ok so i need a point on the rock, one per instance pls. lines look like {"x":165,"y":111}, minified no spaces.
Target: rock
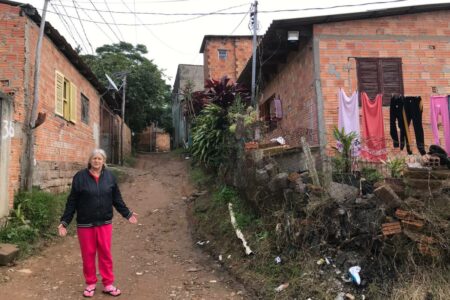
{"x":271,"y":169}
{"x":8,"y":252}
{"x":342,"y":192}
{"x":280,"y":181}
{"x":388,"y":197}
{"x":299,"y":186}
{"x":261,"y":176}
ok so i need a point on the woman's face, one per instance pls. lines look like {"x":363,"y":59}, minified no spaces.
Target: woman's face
{"x":97,"y":161}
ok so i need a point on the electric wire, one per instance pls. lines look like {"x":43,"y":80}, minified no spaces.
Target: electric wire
{"x":101,"y":16}
{"x":84,"y":30}
{"x":76,"y":30}
{"x":65,"y":24}
{"x":99,"y":27}
{"x":112,"y":17}
{"x":242,"y":20}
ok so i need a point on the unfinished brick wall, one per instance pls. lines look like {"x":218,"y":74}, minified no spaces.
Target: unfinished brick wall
{"x":294,"y":84}
{"x":239,"y":50}
{"x":421,"y":40}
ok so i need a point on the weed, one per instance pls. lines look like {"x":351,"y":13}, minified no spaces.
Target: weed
{"x":199,"y":177}
{"x":129,"y":161}
{"x":118,"y":173}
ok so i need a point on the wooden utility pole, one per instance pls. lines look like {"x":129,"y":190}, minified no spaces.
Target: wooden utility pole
{"x":33,"y":116}
{"x":124,"y":87}
{"x":255,"y":30}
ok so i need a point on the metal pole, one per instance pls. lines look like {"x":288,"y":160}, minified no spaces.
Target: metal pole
{"x":255,"y":26}
{"x":123,"y":118}
{"x":37,"y":69}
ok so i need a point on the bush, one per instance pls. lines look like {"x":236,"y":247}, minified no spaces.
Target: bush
{"x":35,"y":215}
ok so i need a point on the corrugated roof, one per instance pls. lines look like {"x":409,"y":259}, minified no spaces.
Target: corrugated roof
{"x":271,"y":35}
{"x":65,"y":48}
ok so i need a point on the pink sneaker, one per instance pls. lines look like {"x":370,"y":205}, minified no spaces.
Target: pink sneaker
{"x":89,"y":291}
{"x":112,"y":290}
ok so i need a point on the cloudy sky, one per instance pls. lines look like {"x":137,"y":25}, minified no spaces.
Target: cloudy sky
{"x":173,"y":30}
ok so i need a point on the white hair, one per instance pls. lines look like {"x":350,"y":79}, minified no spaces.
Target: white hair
{"x":96,"y":152}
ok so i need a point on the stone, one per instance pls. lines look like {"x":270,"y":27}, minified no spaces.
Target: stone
{"x":8,"y":252}
{"x":271,"y":169}
{"x":261,"y":176}
{"x":342,"y":192}
{"x":299,"y":186}
{"x":388,"y":197}
{"x":280,"y":181}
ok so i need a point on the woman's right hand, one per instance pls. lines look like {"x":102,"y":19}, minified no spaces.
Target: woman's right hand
{"x":62,"y":230}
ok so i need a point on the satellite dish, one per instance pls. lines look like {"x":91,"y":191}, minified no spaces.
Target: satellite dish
{"x":111,"y":82}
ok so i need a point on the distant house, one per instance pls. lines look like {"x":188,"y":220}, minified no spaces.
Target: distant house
{"x":153,"y":139}
{"x":187,"y":75}
{"x":225,"y":55}
{"x":77,"y":108}
{"x":304,"y":62}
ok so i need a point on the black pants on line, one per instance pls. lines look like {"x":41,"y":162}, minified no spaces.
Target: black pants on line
{"x":398,"y":116}
{"x":413,"y":109}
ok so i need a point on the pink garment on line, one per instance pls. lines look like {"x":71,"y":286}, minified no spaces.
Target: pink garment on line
{"x":278,"y":110}
{"x":440,"y":106}
{"x":374,"y":144}
{"x":349,"y":113}
{"x":96,"y":240}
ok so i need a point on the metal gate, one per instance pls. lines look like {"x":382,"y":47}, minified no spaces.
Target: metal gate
{"x":109,"y":134}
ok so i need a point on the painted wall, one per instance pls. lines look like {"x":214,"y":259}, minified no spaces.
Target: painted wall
{"x":421,"y":40}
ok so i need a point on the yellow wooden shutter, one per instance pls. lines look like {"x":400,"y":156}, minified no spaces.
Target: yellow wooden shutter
{"x":73,"y":102}
{"x":59,"y":91}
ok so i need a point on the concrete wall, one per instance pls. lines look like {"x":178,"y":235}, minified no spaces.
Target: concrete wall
{"x":239,"y":50}
{"x":294,"y":83}
{"x":421,"y":40}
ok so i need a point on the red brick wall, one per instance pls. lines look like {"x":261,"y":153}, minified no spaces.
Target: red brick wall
{"x":408,"y":36}
{"x":12,"y":60}
{"x":294,"y":83}
{"x":239,"y":50}
{"x":61,"y":147}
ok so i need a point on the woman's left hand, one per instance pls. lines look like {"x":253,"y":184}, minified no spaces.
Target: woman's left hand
{"x":133,"y":218}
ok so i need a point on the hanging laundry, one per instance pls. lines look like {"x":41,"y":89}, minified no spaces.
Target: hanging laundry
{"x":374,"y":145}
{"x":398,"y":118}
{"x":439,"y":106}
{"x":278,"y":109}
{"x":413,"y":108}
{"x":348,"y":112}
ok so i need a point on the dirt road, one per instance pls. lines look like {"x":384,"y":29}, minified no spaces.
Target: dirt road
{"x":156,"y":259}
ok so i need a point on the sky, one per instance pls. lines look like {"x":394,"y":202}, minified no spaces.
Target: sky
{"x":173,"y":30}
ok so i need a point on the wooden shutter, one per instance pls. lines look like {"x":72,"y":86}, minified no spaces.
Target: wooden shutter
{"x":59,"y":92}
{"x":73,"y":103}
{"x":368,"y":76}
{"x":391,"y":78}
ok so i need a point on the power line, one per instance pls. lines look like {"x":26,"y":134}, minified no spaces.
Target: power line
{"x":110,"y":28}
{"x":64,"y":22}
{"x":84,"y":31}
{"x":75,"y":28}
{"x":101,"y":29}
{"x":242,"y":20}
{"x":112,"y":17}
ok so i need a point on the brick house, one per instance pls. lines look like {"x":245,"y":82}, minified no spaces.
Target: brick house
{"x":225,"y":55}
{"x":404,"y":50}
{"x":76,"y":105}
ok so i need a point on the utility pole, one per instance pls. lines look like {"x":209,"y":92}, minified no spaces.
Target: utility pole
{"x":255,"y":29}
{"x":32,"y":123}
{"x":124,"y":87}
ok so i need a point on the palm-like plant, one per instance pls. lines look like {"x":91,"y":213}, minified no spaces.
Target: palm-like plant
{"x":344,"y":148}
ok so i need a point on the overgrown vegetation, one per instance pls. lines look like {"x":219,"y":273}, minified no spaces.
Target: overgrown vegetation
{"x":35,"y":215}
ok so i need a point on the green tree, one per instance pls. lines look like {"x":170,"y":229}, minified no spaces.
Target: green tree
{"x":147,"y":94}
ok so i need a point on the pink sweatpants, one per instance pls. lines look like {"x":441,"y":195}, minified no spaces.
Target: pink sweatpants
{"x":95,"y":240}
{"x":440,"y":106}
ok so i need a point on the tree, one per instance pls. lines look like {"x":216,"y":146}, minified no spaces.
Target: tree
{"x":147,"y":94}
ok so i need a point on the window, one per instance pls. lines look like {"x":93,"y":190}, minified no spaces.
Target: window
{"x":84,"y":109}
{"x":222,"y":54}
{"x":267,"y":113}
{"x":65,"y":98}
{"x":380,"y":75}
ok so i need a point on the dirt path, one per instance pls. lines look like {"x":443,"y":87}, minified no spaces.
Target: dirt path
{"x":154,"y":260}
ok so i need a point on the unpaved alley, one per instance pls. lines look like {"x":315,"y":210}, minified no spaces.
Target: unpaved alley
{"x":156,"y":259}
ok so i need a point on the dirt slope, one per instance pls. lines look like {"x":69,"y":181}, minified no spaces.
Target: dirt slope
{"x":156,"y":259}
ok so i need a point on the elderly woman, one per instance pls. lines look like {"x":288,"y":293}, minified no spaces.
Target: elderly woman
{"x":94,"y":193}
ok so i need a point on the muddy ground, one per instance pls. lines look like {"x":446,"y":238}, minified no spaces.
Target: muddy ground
{"x":156,"y":259}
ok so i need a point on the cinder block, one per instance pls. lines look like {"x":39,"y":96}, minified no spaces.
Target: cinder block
{"x":8,"y":252}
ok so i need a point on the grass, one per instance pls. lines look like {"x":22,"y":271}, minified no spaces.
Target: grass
{"x":129,"y":161}
{"x":34,"y":217}
{"x":199,"y":177}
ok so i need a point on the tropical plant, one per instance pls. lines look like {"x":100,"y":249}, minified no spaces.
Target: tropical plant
{"x":396,"y":165}
{"x":208,"y":136}
{"x":342,"y":160}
